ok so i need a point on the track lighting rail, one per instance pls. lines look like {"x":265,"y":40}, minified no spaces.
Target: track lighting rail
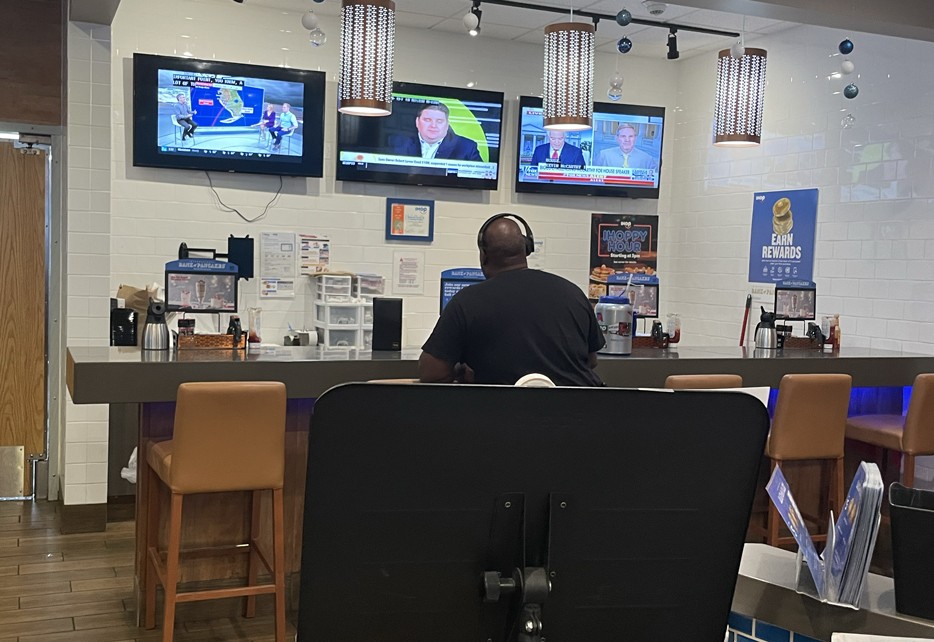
{"x":597,"y":17}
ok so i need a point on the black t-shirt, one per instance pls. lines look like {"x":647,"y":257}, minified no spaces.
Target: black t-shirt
{"x":516,"y":323}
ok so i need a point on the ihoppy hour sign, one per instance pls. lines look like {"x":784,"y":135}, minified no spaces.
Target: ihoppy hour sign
{"x":621,"y":244}
{"x":784,"y":227}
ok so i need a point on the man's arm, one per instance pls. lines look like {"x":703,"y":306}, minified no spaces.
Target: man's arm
{"x":431,"y":369}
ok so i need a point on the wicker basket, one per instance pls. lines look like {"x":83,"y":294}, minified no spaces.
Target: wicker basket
{"x":210,"y":342}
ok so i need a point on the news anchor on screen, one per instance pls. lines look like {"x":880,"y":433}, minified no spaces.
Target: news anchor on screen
{"x":559,"y":152}
{"x":626,"y":154}
{"x":435,"y":138}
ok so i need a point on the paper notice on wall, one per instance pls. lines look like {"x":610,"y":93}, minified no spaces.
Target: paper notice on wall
{"x":277,"y":265}
{"x":537,"y":257}
{"x":314,"y":254}
{"x":408,"y":272}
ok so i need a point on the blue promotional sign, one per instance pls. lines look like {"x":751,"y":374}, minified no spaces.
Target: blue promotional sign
{"x":784,"y":228}
{"x":201,"y":265}
{"x":456,"y":279}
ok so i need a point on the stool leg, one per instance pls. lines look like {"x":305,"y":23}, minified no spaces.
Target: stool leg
{"x":278,"y":538}
{"x":908,"y":476}
{"x":171,"y":567}
{"x":152,"y":546}
{"x":253,"y":563}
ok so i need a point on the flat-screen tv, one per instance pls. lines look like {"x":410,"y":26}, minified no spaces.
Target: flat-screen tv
{"x":621,"y":156}
{"x":436,"y":136}
{"x":796,"y":304}
{"x":244,"y":118}
{"x":642,"y":296}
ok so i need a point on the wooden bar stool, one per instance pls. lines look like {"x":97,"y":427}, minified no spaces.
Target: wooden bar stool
{"x":809,"y":424}
{"x":703,"y":381}
{"x":228,"y":436}
{"x":911,"y":435}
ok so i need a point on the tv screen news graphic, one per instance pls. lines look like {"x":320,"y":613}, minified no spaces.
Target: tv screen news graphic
{"x":795,"y":303}
{"x":200,"y":285}
{"x":621,"y":156}
{"x":242,"y":118}
{"x":435,"y":136}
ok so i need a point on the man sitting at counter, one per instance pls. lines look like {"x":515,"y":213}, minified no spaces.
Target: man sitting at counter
{"x":516,"y":322}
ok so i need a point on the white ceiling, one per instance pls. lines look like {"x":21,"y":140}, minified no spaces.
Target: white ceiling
{"x":525,"y":25}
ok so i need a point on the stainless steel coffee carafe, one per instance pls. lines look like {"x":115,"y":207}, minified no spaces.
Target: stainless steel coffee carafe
{"x":155,"y":331}
{"x":766,"y":335}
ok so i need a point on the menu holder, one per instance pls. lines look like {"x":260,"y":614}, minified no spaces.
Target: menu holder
{"x":838,"y":576}
{"x":210,"y":342}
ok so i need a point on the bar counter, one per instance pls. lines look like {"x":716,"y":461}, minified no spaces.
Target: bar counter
{"x":127,"y":375}
{"x":142,"y":387}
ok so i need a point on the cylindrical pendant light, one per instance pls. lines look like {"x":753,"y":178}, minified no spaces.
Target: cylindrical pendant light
{"x":368,"y":34}
{"x":740,"y":98}
{"x":567,"y":99}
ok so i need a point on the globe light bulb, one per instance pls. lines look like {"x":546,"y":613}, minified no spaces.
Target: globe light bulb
{"x":848,"y":121}
{"x":316,"y":37}
{"x":624,"y":45}
{"x":738,"y":50}
{"x":614,"y":93}
{"x":623,"y":18}
{"x":616,"y":80}
{"x":310,"y":20}
{"x":847,"y":67}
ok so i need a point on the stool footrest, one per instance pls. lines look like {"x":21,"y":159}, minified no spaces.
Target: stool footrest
{"x":236,"y":591}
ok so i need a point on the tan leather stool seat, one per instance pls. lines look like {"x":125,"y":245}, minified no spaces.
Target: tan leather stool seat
{"x":809,"y":424}
{"x":703,"y":381}
{"x":881,"y":430}
{"x":911,"y":435}
{"x":227,"y":436}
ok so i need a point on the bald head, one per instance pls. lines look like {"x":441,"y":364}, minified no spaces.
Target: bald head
{"x":503,"y":247}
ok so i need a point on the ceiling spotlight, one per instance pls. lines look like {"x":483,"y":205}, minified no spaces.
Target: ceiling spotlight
{"x":472,"y":19}
{"x":654,"y":8}
{"x":673,"y":53}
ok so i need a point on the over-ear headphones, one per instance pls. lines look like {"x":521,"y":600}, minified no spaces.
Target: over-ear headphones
{"x":527,"y":235}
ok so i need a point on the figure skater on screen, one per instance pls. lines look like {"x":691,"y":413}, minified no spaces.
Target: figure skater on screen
{"x":183,"y":116}
{"x":435,"y":138}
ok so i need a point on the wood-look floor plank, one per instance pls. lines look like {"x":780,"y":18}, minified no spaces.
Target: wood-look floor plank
{"x":7,"y":603}
{"x":8,"y":570}
{"x":33,"y":587}
{"x":110,"y":561}
{"x":57,"y":612}
{"x":75,"y":597}
{"x":40,"y":629}
{"x":29,"y":558}
{"x":106,"y":583}
{"x":91,"y":574}
{"x":8,"y":542}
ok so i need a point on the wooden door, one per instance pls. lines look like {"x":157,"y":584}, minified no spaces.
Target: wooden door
{"x":22,"y":305}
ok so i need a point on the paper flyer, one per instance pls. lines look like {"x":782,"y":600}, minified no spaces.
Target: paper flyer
{"x":314,"y":254}
{"x":277,"y":265}
{"x":408,"y":272}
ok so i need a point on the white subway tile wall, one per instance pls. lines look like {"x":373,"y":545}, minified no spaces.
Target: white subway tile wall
{"x":84,"y":479}
{"x":875,"y":238}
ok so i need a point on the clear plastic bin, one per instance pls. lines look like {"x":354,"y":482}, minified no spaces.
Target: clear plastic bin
{"x":333,"y":314}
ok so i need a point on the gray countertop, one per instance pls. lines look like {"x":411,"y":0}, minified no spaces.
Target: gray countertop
{"x":121,"y":375}
{"x":765,"y":590}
